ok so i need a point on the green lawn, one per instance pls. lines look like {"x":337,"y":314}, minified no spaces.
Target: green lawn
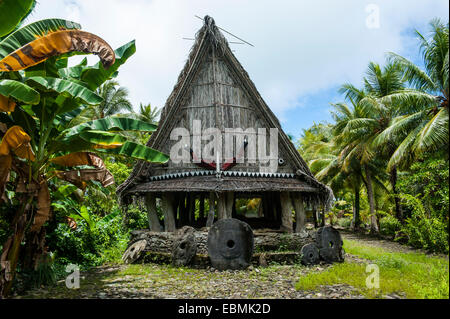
{"x":415,"y":274}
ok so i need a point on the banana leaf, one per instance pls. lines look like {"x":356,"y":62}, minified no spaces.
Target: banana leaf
{"x":108,"y":218}
{"x":111,"y":124}
{"x":63,"y":191}
{"x":17,"y":141}
{"x":78,"y":159}
{"x":87,"y":217}
{"x":5,"y":168}
{"x":103,"y":139}
{"x":73,"y":72}
{"x":80,"y":177}
{"x":96,"y":75}
{"x":72,"y":145}
{"x":48,"y":68}
{"x":7,"y":104}
{"x":67,"y":89}
{"x":30,"y":32}
{"x":64,"y":118}
{"x":19,"y":91}
{"x":57,"y":43}
{"x":43,"y":212}
{"x":137,"y":151}
{"x":71,"y":222}
{"x":22,"y":118}
{"x":12,"y":12}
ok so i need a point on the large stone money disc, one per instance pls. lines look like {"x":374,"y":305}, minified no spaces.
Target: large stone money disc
{"x":230,"y":244}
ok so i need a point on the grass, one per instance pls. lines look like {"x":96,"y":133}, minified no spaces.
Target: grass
{"x":417,"y":275}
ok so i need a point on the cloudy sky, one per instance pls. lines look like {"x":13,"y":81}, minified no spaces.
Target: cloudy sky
{"x":303,"y":50}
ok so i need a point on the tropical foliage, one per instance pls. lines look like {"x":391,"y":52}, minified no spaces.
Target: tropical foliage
{"x":40,"y":95}
{"x":384,"y":131}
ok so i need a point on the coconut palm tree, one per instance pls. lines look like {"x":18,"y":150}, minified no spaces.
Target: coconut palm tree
{"x":115,"y":99}
{"x":148,"y":113}
{"x":377,"y":114}
{"x":319,"y":150}
{"x":353,"y":144}
{"x":423,"y":125}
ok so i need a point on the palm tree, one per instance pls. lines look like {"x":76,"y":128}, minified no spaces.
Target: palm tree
{"x":378,"y":114}
{"x":319,"y":150}
{"x":148,"y":113}
{"x":353,"y":144}
{"x":114,"y":100}
{"x":423,"y":125}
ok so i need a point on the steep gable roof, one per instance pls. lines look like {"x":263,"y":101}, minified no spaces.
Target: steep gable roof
{"x":210,"y":36}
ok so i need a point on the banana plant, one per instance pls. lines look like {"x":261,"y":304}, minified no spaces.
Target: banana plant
{"x":12,"y":13}
{"x":39,"y":96}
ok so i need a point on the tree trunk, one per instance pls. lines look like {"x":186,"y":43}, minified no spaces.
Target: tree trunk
{"x":356,"y":221}
{"x":11,"y":249}
{"x":370,"y":195}
{"x":169,"y":218}
{"x":286,"y":212}
{"x":153,"y":220}
{"x":211,"y":203}
{"x":398,"y":206}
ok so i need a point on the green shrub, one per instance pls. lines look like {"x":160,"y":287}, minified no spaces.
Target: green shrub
{"x":345,"y":222}
{"x":389,"y":225}
{"x":424,"y":229}
{"x":89,"y":246}
{"x":136,"y":218}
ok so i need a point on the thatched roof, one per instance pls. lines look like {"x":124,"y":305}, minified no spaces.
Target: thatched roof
{"x":214,"y":87}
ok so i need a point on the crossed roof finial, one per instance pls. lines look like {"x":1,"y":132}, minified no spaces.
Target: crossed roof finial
{"x":209,"y":21}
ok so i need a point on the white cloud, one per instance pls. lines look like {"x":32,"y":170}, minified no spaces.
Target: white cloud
{"x":301,"y":47}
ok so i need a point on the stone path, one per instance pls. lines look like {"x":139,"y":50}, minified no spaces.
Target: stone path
{"x":162,"y":281}
{"x":388,"y":245}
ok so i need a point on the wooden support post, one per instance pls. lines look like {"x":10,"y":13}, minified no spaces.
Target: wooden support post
{"x":202,"y":206}
{"x":211,"y":203}
{"x":184,"y":209}
{"x":286,"y":212}
{"x":191,"y":209}
{"x":229,"y":197}
{"x":177,"y":209}
{"x":300,"y":215}
{"x":278,"y":209}
{"x":323,"y":216}
{"x":221,"y":206}
{"x":314,"y":213}
{"x":233,"y":208}
{"x":153,"y":220}
{"x":267,"y":208}
{"x":260,"y":209}
{"x":167,"y":206}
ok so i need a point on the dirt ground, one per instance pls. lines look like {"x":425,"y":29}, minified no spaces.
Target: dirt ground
{"x":162,"y":281}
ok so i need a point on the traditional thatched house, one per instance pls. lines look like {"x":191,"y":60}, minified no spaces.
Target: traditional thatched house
{"x":214,"y":88}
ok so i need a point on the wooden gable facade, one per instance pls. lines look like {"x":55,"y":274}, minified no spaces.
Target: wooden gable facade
{"x":214,"y":91}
